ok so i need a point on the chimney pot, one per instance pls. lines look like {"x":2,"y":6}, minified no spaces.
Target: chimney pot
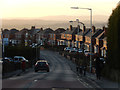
{"x":93,"y":29}
{"x":70,"y":27}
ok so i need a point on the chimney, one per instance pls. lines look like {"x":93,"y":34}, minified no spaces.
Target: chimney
{"x":70,"y":28}
{"x":84,"y":28}
{"x":79,"y":28}
{"x":41,"y":29}
{"x":105,"y":29}
{"x":33,"y":27}
{"x":93,"y":29}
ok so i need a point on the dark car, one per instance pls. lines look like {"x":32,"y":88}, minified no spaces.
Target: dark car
{"x":41,"y":65}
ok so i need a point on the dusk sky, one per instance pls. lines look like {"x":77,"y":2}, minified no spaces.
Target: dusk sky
{"x":49,"y":13}
{"x":41,"y":8}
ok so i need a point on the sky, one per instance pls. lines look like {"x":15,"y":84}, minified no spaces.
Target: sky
{"x":40,"y":8}
{"x":17,"y":13}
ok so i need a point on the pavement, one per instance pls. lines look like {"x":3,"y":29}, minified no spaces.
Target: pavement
{"x":15,"y":73}
{"x":103,"y":82}
{"x":90,"y":78}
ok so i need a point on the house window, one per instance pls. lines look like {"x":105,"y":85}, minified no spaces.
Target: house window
{"x":53,"y":35}
{"x":102,"y":53}
{"x":64,"y":35}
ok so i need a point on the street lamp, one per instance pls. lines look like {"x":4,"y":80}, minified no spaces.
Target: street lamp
{"x":77,"y":20}
{"x":91,"y":33}
{"x":3,"y":49}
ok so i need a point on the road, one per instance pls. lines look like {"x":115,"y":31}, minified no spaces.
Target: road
{"x":60,"y":75}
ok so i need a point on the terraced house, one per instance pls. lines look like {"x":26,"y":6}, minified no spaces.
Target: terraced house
{"x":9,"y":36}
{"x":55,"y":37}
{"x":68,"y":37}
{"x":100,"y":46}
{"x":80,"y":38}
{"x":88,"y":39}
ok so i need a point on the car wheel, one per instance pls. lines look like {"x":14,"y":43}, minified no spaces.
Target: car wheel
{"x":36,"y":70}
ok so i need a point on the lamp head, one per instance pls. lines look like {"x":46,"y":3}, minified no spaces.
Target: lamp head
{"x":74,"y":7}
{"x":70,"y":21}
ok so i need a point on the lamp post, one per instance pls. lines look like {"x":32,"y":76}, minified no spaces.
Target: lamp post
{"x":91,"y":33}
{"x":77,"y":20}
{"x":26,"y":40}
{"x":3,"y":49}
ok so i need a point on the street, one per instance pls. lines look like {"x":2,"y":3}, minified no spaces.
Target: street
{"x":60,"y":75}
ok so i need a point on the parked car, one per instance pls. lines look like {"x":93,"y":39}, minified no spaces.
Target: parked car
{"x":19,"y":59}
{"x":33,"y":45}
{"x":92,"y":54}
{"x":73,"y":50}
{"x":79,"y":51}
{"x":103,"y":60}
{"x":41,"y":65}
{"x":7,"y":59}
{"x":86,"y":51}
{"x":67,"y":48}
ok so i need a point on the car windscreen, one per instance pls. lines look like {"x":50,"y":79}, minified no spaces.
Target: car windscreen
{"x":41,"y":63}
{"x":15,"y":58}
{"x":21,"y":59}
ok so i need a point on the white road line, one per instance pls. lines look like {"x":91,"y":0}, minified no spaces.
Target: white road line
{"x":35,"y":80}
{"x":84,"y":83}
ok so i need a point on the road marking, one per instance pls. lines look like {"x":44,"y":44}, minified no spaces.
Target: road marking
{"x":84,"y":83}
{"x":60,"y":89}
{"x":35,"y":80}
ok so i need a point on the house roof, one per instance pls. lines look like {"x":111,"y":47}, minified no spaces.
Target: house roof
{"x":13,"y":31}
{"x":5,"y":31}
{"x":105,"y":39}
{"x":60,"y":30}
{"x":88,"y":33}
{"x":71,"y":31}
{"x":22,"y":31}
{"x":47,"y":31}
{"x":85,"y":32}
{"x":101,"y":36}
{"x":97,"y":33}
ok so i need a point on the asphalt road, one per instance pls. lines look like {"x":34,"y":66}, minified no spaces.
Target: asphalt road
{"x":60,"y":75}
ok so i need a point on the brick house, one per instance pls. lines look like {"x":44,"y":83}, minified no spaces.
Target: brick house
{"x":23,"y":37}
{"x":104,"y":48}
{"x":95,"y":33}
{"x":9,"y":36}
{"x":80,"y":37}
{"x":99,"y":43}
{"x":68,"y":37}
{"x":12,"y":36}
{"x":58,"y":33}
{"x":45,"y":35}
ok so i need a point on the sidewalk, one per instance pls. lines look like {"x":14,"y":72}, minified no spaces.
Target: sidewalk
{"x":90,"y":78}
{"x":15,"y":73}
{"x":10,"y":74}
{"x":103,"y":82}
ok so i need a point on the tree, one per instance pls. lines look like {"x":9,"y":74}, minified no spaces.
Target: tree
{"x":113,"y":39}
